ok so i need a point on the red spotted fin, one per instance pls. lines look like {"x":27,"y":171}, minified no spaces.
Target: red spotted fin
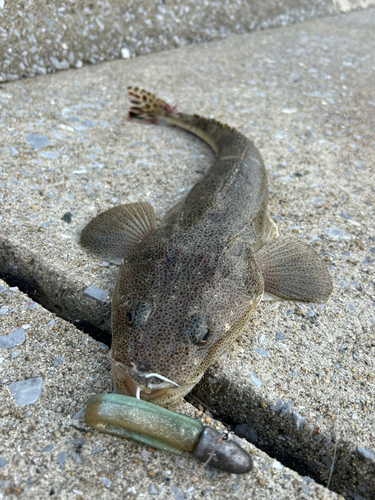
{"x":148,"y":109}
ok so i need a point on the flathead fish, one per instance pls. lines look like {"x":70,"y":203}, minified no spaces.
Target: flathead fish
{"x":186,"y":289}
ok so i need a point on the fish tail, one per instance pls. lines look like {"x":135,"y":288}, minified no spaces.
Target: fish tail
{"x":148,"y":109}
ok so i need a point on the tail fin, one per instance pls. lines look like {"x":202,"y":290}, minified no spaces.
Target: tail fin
{"x":149,"y":109}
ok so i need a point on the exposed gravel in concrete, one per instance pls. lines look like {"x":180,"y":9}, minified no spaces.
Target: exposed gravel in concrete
{"x":305,"y":95}
{"x":46,"y":450}
{"x":38,"y":37}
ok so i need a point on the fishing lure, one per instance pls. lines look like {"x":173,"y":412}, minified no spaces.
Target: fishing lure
{"x":163,"y":429}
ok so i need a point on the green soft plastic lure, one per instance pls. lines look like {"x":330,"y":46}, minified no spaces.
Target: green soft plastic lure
{"x":166,"y":430}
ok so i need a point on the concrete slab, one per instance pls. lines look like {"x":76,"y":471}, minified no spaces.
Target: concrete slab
{"x":38,"y":37}
{"x":46,"y":450}
{"x":305,"y":95}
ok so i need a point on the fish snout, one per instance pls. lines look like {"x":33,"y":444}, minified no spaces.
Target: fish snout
{"x":142,"y":385}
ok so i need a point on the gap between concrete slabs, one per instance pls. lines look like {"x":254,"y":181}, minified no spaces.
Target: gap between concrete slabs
{"x":46,"y":450}
{"x":305,"y":96}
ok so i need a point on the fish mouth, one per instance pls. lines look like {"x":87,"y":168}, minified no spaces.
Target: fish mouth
{"x":143,"y":385}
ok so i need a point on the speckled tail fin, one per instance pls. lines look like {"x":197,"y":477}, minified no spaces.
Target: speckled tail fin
{"x":149,"y":109}
{"x":292,"y":271}
{"x":110,"y":234}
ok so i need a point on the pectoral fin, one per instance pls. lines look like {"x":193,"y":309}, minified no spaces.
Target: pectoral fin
{"x":292,"y":271}
{"x":110,"y":234}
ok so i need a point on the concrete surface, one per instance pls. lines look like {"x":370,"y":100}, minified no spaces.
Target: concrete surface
{"x":305,"y":95}
{"x":46,"y":450}
{"x":38,"y":37}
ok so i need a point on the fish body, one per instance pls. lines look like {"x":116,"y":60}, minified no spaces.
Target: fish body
{"x":186,"y":289}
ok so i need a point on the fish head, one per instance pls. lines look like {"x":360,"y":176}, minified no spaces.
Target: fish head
{"x":173,"y":317}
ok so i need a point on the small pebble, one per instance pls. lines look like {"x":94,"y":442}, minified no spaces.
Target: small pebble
{"x":96,"y":293}
{"x":26,"y":392}
{"x":254,"y":379}
{"x":318,"y":201}
{"x":307,"y":479}
{"x":336,"y":234}
{"x":3,"y":462}
{"x":67,"y":217}
{"x":106,"y":482}
{"x":152,"y":490}
{"x":365,"y":453}
{"x":261,"y":339}
{"x":49,"y":447}
{"x":79,"y":414}
{"x":367,"y":260}
{"x":125,"y":53}
{"x":278,"y":405}
{"x":45,"y":224}
{"x":345,"y":215}
{"x":77,"y":441}
{"x":96,"y":165}
{"x":52,"y":155}
{"x":280,"y":336}
{"x":94,"y":450}
{"x":37,"y":141}
{"x":57,"y":361}
{"x":14,"y":354}
{"x":75,"y":457}
{"x":261,"y":352}
{"x":351,"y":306}
{"x":177,"y":493}
{"x":13,"y":151}
{"x":59,"y":64}
{"x":30,"y":305}
{"x":298,"y":420}
{"x":285,"y":409}
{"x":3,"y":310}
{"x":17,"y":337}
{"x":305,"y":489}
{"x":310,"y":313}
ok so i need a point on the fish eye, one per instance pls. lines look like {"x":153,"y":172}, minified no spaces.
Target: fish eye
{"x":129,"y":316}
{"x":197,"y":331}
{"x":205,"y":336}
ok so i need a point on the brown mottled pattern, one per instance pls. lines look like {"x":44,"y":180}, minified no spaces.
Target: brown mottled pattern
{"x":184,"y":292}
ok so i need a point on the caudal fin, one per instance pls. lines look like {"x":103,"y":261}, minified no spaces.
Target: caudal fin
{"x":149,"y":109}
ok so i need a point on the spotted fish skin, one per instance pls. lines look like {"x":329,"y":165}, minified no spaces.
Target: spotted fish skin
{"x":186,"y":289}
